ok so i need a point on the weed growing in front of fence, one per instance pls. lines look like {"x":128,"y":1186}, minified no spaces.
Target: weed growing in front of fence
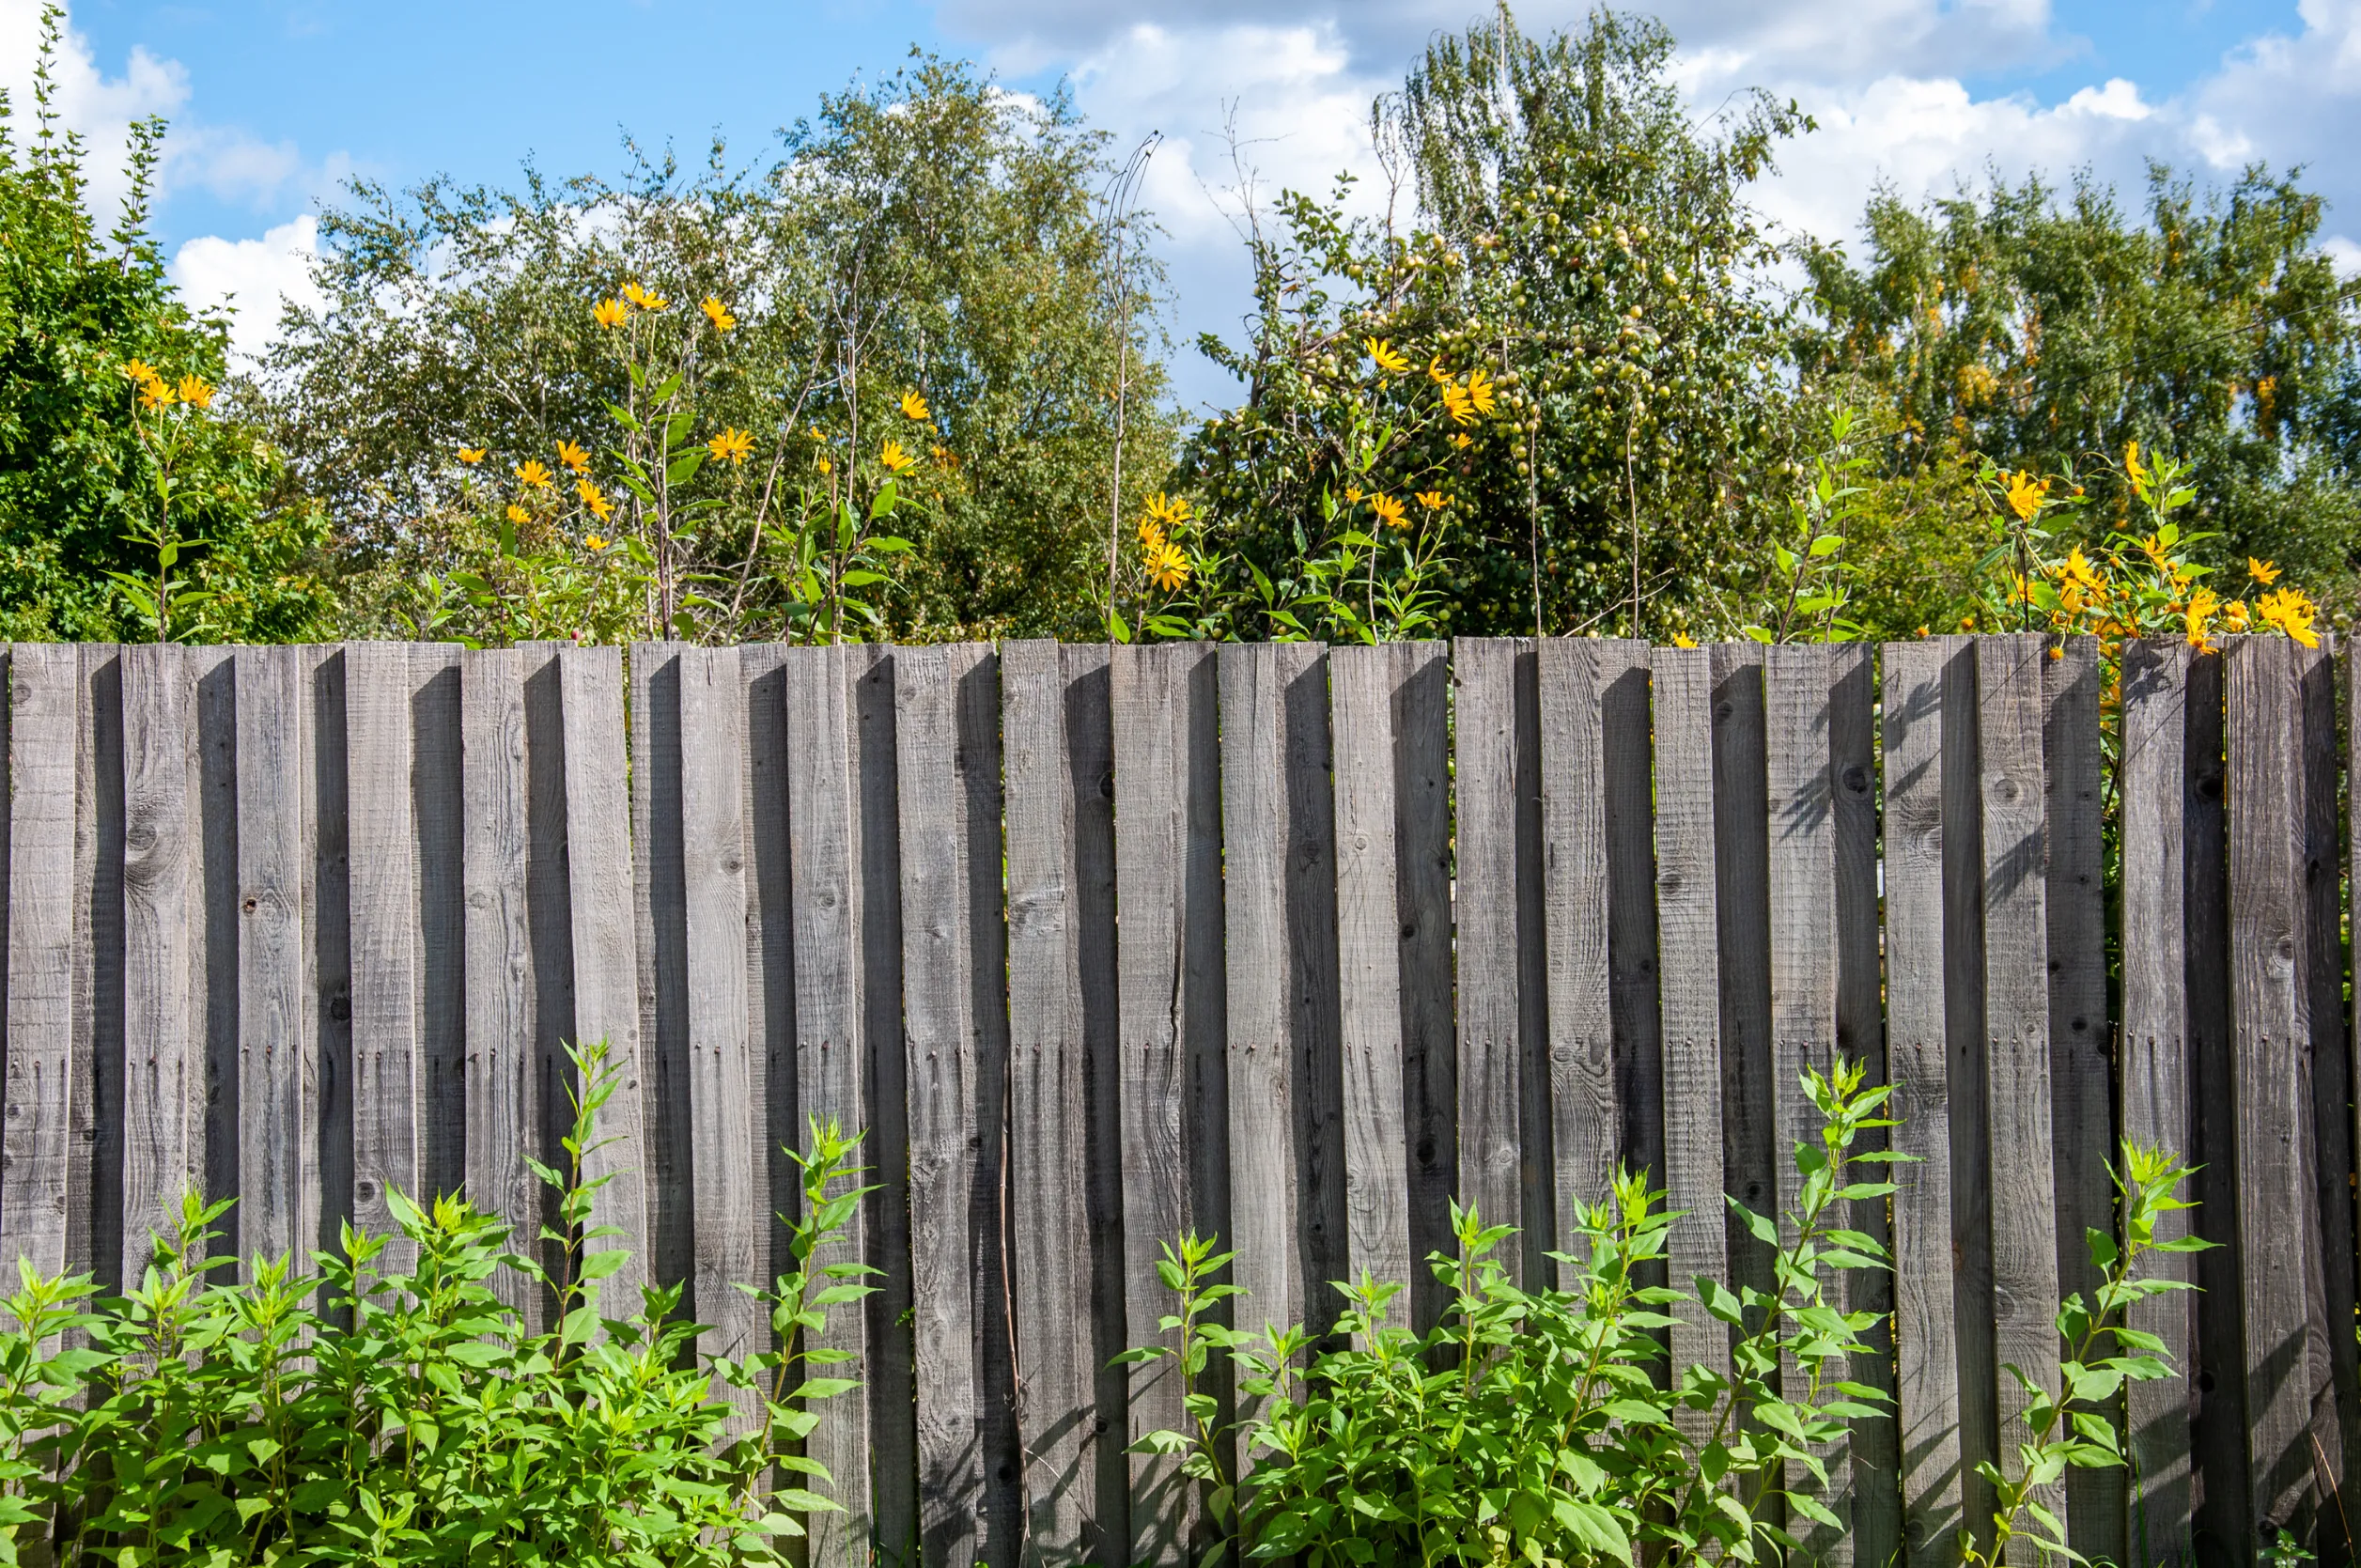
{"x":1531,"y":1425}
{"x":1528,"y":1426}
{"x":407,"y":1417}
{"x":2070,"y":1425}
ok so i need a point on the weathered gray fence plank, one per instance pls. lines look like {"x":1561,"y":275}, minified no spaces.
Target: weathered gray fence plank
{"x":2010,"y":678}
{"x":1688,"y":930}
{"x":278,"y":1180}
{"x":1743,"y":900}
{"x":94,"y":1112}
{"x":1378,"y":1164}
{"x":327,"y":943}
{"x":2336,"y":1415}
{"x":947,"y":729}
{"x":823,"y":854}
{"x":439,"y":811}
{"x":1422,"y":869}
{"x":163,"y":1040}
{"x":384,"y":935}
{"x":768,"y":933}
{"x":1504,"y":1112}
{"x":44,"y":717}
{"x":501,"y":1097}
{"x":1172,"y":992}
{"x":659,"y":913}
{"x":1585,"y":1119}
{"x":1927,"y":1413}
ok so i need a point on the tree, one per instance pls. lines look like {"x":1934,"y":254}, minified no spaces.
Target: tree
{"x":1588,"y":245}
{"x":924,"y":245}
{"x":125,"y":495}
{"x":2045,"y":330}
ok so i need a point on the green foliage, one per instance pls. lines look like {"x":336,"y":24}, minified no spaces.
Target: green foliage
{"x":2045,"y":330}
{"x":388,"y":1413}
{"x":91,"y":515}
{"x":1586,"y":245}
{"x":1534,"y":1425}
{"x":2069,"y":1426}
{"x":928,"y":235}
{"x":1811,"y":579}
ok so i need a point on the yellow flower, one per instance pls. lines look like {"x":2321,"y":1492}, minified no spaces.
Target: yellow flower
{"x":197,"y":392}
{"x":2078,"y":573}
{"x":1479,"y":392}
{"x":1353,"y":494}
{"x":517,"y":514}
{"x":2026,"y":494}
{"x":1436,"y":373}
{"x":2234,"y":614}
{"x":2203,"y":605}
{"x":1384,"y":355}
{"x":594,"y":541}
{"x":1463,"y":441}
{"x":1431,"y":500}
{"x":2291,"y":611}
{"x":719,"y":314}
{"x":1150,"y":533}
{"x":601,"y":508}
{"x":1389,"y":510}
{"x":535,"y":475}
{"x":609,"y":313}
{"x":573,"y":456}
{"x":894,"y":458}
{"x":825,"y":466}
{"x":1457,"y":404}
{"x":2131,"y":464}
{"x":139,"y":372}
{"x":1682,"y":640}
{"x":155,"y":393}
{"x":1172,"y":510}
{"x":913,"y":405}
{"x":645,"y":300}
{"x":2262,"y":571}
{"x":732,"y":444}
{"x":471,"y":455}
{"x":1167,"y":567}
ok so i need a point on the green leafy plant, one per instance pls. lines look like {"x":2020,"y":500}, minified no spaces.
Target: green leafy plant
{"x":1530,"y":1424}
{"x":2070,"y":1425}
{"x":386,"y":1411}
{"x":1812,"y":580}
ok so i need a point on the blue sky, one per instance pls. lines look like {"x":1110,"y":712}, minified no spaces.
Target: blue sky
{"x":274,"y":103}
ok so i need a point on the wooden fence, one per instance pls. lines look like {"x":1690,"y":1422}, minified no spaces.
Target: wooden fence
{"x":311,"y":925}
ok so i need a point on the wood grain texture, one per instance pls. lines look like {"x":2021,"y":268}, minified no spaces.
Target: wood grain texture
{"x":1279,"y":908}
{"x":604,"y":940}
{"x":94,"y":1113}
{"x":1503,"y":1110}
{"x":947,"y":730}
{"x":2156,"y":1062}
{"x":277,"y":1153}
{"x":1377,"y":1158}
{"x":1053,"y":1152}
{"x":439,"y":811}
{"x":1927,"y":1395}
{"x":1628,"y":782}
{"x":380,"y":801}
{"x":1585,"y":1119}
{"x":1422,"y":871}
{"x":1688,"y":930}
{"x":1798,"y":759}
{"x":768,"y":936}
{"x":44,"y":717}
{"x":660,"y":915}
{"x":1172,"y":992}
{"x":2336,"y":1412}
{"x":214,"y":958}
{"x":1743,"y":902}
{"x":2018,"y":1101}
{"x":164,"y":1039}
{"x":823,"y":857}
{"x":730,"y":1219}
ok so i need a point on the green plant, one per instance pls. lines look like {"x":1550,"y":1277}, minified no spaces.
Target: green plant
{"x":395,"y":1412}
{"x":2070,"y":1425}
{"x":1529,"y":1424}
{"x":1813,"y":585}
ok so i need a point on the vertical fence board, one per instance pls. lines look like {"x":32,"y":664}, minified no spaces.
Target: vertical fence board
{"x":1171,"y":990}
{"x":823,"y":852}
{"x":1422,"y":869}
{"x":44,"y":716}
{"x":384,"y":933}
{"x":768,"y":935}
{"x":1743,"y":899}
{"x":2270,"y":1015}
{"x":1503,"y":1142}
{"x":214,"y":963}
{"x":277,"y":1165}
{"x":2156,"y":1068}
{"x":1927,"y":1413}
{"x":439,"y":810}
{"x":163,"y":1081}
{"x":1377,"y":1158}
{"x":1688,"y":931}
{"x":604,"y":942}
{"x":2336,"y":1414}
{"x":729,"y":1220}
{"x":1798,"y":752}
{"x":327,"y":944}
{"x":1279,"y":943}
{"x":1626,"y":735}
{"x":501,"y":1102}
{"x":1586,"y":1123}
{"x":947,"y":727}
{"x":94,"y":1140}
{"x":1055,"y":1154}
{"x":659,"y":912}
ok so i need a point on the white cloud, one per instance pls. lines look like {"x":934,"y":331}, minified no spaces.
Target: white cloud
{"x":87,"y":100}
{"x":254,"y":278}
